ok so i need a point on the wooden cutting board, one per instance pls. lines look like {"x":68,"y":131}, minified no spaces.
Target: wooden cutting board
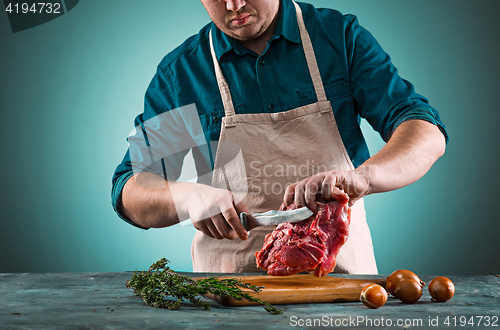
{"x":302,"y":288}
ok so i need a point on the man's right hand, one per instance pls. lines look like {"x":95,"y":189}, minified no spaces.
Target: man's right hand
{"x":152,"y":202}
{"x":211,"y":210}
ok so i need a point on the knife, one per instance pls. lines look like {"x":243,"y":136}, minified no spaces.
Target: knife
{"x":250,"y":221}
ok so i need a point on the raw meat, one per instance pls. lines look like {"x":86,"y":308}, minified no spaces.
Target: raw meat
{"x":310,"y":245}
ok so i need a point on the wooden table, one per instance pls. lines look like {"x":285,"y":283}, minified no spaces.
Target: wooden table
{"x":101,"y":301}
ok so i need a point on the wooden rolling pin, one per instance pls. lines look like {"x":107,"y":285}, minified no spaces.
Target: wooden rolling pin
{"x":302,"y":288}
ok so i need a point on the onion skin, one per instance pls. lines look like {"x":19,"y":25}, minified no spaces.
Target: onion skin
{"x":441,"y":289}
{"x":408,"y":291}
{"x":373,"y":296}
{"x":393,"y":280}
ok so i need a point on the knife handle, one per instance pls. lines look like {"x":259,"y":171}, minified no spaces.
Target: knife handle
{"x":243,"y":218}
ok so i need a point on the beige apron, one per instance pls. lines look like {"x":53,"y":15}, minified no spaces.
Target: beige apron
{"x":279,"y":149}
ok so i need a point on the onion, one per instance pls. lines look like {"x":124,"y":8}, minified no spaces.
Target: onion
{"x":441,"y":289}
{"x":408,"y":291}
{"x":393,"y":280}
{"x":373,"y":295}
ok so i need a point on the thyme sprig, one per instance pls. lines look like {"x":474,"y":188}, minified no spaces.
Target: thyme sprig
{"x":160,"y":282}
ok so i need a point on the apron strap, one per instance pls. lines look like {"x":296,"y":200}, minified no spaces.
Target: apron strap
{"x":311,"y":63}
{"x":311,"y":59}
{"x":223,"y":86}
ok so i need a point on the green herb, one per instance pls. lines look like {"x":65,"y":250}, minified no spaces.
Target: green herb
{"x":159,"y":282}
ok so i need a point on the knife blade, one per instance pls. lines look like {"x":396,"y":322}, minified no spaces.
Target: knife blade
{"x":272,"y":217}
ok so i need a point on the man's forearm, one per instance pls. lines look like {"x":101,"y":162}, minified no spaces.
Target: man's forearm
{"x":411,"y":151}
{"x":147,"y":201}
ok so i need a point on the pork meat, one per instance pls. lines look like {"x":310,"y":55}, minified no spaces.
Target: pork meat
{"x":310,"y":245}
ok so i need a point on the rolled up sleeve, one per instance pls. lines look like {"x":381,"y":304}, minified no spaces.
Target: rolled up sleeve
{"x":381,"y":96}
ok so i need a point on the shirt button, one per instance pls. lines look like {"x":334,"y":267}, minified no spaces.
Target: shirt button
{"x":262,"y":62}
{"x":215,"y":118}
{"x":271,"y":107}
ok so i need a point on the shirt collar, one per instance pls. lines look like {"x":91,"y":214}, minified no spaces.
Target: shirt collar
{"x":287,"y":27}
{"x":287,"y":22}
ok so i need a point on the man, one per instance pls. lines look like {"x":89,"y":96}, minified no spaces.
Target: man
{"x":281,"y":87}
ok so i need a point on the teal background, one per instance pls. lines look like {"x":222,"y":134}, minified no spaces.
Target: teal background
{"x":70,"y":89}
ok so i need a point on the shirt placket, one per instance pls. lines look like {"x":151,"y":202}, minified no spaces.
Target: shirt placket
{"x":263,"y":69}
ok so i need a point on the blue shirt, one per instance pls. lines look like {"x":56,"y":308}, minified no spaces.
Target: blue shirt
{"x":359,"y":78}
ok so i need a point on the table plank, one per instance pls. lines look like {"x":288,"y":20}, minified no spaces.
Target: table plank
{"x":101,"y":300}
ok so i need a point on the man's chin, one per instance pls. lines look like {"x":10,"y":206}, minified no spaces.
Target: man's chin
{"x":245,"y":33}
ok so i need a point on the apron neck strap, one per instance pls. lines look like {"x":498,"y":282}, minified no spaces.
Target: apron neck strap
{"x":223,"y":87}
{"x":310,"y":57}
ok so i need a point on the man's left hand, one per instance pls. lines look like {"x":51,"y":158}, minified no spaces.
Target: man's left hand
{"x":329,"y":185}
